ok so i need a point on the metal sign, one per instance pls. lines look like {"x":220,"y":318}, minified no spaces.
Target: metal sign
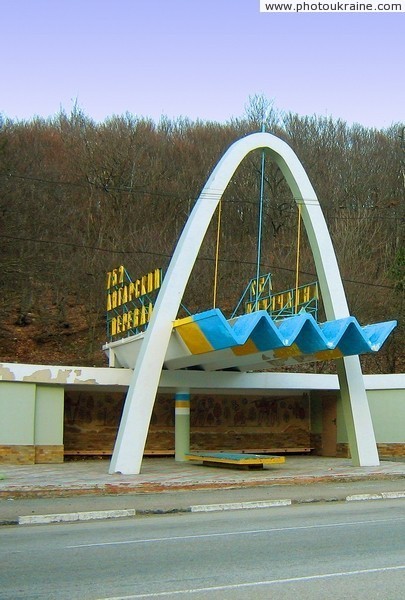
{"x":258,"y":296}
{"x":130,"y":303}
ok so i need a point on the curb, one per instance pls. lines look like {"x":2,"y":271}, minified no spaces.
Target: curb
{"x":382,"y":496}
{"x":196,"y":508}
{"x":75,"y":516}
{"x":239,"y":505}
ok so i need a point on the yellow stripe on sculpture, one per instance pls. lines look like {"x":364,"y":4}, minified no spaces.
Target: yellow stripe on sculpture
{"x":192,"y":336}
{"x":328,"y":354}
{"x":248,"y":347}
{"x":287,"y":351}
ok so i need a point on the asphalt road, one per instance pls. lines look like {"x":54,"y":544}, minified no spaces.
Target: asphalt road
{"x":352,"y":550}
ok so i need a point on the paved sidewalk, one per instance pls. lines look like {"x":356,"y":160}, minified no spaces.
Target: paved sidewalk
{"x":168,"y":486}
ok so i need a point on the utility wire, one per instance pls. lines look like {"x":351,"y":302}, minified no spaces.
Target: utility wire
{"x":164,"y":255}
{"x":213,"y":194}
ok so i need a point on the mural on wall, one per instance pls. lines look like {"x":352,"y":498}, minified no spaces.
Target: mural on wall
{"x":278,"y":414}
{"x":216,"y":422}
{"x":163,"y":412}
{"x":249,"y":423}
{"x":83,"y":407}
{"x":91,"y":421}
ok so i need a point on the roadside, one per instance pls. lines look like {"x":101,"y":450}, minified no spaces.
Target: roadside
{"x":165,"y":486}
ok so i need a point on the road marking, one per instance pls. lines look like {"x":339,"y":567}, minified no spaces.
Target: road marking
{"x":232,"y":533}
{"x":236,"y":586}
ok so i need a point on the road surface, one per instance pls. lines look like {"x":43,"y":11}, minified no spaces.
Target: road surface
{"x":339,"y":550}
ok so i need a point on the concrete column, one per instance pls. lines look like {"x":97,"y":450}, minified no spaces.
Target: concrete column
{"x":182,"y":424}
{"x":356,"y":412}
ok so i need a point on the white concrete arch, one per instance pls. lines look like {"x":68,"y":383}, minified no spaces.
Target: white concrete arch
{"x":130,"y":443}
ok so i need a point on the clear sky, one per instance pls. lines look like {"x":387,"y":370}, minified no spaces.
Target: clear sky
{"x":198,"y":59}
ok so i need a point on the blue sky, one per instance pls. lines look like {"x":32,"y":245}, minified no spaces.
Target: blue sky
{"x":198,"y":60}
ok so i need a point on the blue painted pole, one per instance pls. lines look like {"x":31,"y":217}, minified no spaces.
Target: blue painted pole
{"x":260,"y":224}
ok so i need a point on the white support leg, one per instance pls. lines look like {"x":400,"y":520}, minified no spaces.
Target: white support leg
{"x":356,"y":412}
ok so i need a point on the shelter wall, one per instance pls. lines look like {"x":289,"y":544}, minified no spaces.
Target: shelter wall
{"x":387,"y":408}
{"x":216,"y":423}
{"x":45,"y":410}
{"x":31,"y":423}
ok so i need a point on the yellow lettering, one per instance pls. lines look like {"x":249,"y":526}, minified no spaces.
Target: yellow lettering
{"x":144,"y":283}
{"x":113,"y":326}
{"x":120,"y":291}
{"x":121,"y":273}
{"x":114,"y":277}
{"x":114,"y":299}
{"x":136,"y":317}
{"x":261,"y":284}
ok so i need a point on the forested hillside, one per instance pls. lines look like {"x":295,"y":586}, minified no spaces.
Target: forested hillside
{"x":78,"y":198}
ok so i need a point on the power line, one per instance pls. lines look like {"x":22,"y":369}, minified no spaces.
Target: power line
{"x":164,"y":255}
{"x":182,"y":195}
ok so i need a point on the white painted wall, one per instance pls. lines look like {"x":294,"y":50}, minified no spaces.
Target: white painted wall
{"x":387,"y":409}
{"x":49,"y":403}
{"x":17,"y":413}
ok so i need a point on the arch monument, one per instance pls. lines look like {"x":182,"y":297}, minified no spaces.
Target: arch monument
{"x":134,"y":425}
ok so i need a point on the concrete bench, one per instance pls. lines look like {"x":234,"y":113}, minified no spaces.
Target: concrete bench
{"x":233,"y":459}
